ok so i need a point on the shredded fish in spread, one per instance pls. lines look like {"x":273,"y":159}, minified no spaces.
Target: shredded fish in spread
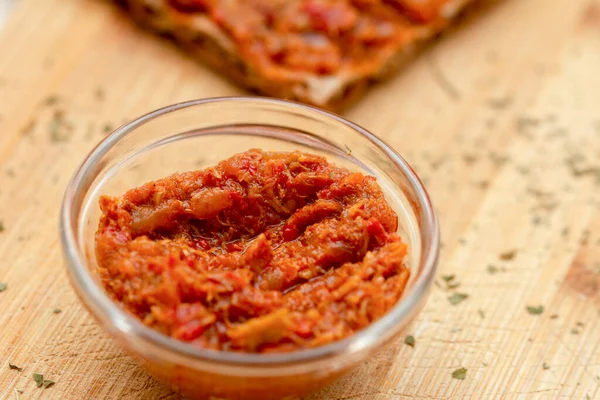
{"x":265,"y":252}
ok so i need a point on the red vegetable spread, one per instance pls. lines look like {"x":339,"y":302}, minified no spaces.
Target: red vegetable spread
{"x":317,"y":36}
{"x":264,"y":252}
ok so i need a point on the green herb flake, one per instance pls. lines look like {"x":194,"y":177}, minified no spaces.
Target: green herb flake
{"x":545,"y":366}
{"x":452,"y":285}
{"x":409,"y":341}
{"x":39,"y":379}
{"x":481,"y":313}
{"x":450,"y":281}
{"x":13,"y":366}
{"x":492,"y":269}
{"x":56,"y":311}
{"x":500,"y":103}
{"x":3,"y":286}
{"x":108,"y":128}
{"x":575,"y":331}
{"x":460,"y":373}
{"x":41,"y":382}
{"x":51,"y":100}
{"x":1,"y":226}
{"x":533,"y":310}
{"x":457,"y":298}
{"x":60,"y":129}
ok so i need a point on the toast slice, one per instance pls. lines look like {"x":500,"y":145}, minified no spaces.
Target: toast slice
{"x":320,"y":52}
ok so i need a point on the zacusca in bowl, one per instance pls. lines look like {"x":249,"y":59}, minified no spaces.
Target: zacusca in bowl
{"x":197,"y":134}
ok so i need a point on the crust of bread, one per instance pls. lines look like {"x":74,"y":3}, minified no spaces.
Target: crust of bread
{"x":204,"y":40}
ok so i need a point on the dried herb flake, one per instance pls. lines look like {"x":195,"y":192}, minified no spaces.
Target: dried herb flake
{"x":452,"y":285}
{"x":47,"y":383}
{"x":51,"y":100}
{"x":457,"y":298}
{"x":524,"y":123}
{"x":348,"y":150}
{"x":498,"y":159}
{"x":481,"y":313}
{"x":410,"y":341}
{"x":56,"y":311}
{"x":492,"y":269}
{"x":99,"y":94}
{"x":27,"y":129}
{"x":39,"y":379}
{"x":1,"y":226}
{"x":575,"y":331}
{"x":469,"y":159}
{"x":3,"y":286}
{"x":41,"y":382}
{"x":60,"y":128}
{"x":450,"y":281}
{"x":533,"y":310}
{"x":577,"y":170}
{"x":500,"y":103}
{"x":545,"y":366}
{"x":460,"y":373}
{"x":508,"y":255}
{"x":13,"y":366}
{"x":108,"y":128}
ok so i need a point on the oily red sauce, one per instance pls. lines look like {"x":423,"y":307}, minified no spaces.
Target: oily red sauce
{"x":320,"y":37}
{"x":264,"y":252}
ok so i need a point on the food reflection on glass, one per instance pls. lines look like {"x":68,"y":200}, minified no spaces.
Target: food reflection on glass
{"x":264,"y":252}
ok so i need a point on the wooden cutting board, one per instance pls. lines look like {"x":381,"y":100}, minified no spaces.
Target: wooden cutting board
{"x":501,"y":118}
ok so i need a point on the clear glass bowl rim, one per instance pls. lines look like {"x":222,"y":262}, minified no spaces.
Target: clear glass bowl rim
{"x":99,"y":302}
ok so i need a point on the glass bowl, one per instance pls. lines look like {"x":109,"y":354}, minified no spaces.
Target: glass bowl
{"x":197,"y":134}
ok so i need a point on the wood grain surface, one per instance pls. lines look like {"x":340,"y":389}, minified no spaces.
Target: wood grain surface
{"x":501,"y":118}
